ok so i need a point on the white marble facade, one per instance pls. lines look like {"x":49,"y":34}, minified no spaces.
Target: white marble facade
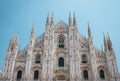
{"x":60,"y":54}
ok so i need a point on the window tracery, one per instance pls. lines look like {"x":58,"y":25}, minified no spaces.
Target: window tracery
{"x":37,"y":59}
{"x":61,"y":41}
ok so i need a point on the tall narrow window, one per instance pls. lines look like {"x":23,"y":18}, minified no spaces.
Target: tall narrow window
{"x":37,"y":59}
{"x":85,"y":74}
{"x":102,"y":75}
{"x":61,"y":42}
{"x":84,"y":59}
{"x":19,"y":74}
{"x":36,"y":75}
{"x":61,"y":62}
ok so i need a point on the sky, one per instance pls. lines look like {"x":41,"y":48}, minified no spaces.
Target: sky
{"x":18,"y":16}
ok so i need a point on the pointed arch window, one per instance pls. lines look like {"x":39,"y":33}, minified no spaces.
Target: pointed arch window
{"x":102,"y":74}
{"x":19,"y":74}
{"x":61,"y":42}
{"x":37,"y":59}
{"x":85,"y":74}
{"x":84,"y":59}
{"x":61,"y":62}
{"x":36,"y":75}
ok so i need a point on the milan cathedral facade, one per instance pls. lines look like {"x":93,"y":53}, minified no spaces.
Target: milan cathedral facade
{"x":60,"y":54}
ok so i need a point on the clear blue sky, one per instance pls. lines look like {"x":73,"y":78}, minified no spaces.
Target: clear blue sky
{"x":18,"y":16}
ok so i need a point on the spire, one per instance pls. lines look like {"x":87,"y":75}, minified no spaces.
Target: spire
{"x":89,"y":31}
{"x":48,"y":20}
{"x":52,"y":20}
{"x":105,"y":43}
{"x":70,"y":19}
{"x":109,"y":42}
{"x":13,"y":42}
{"x":16,"y":40}
{"x":102,"y":48}
{"x":74,"y":20}
{"x":32,"y":32}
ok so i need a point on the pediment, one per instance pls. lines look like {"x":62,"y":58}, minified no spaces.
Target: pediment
{"x":61,"y":27}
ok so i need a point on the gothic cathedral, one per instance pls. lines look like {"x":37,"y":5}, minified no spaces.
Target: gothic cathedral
{"x":60,"y":54}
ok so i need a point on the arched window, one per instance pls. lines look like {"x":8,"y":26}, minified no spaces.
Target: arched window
{"x":85,"y":74}
{"x":61,"y":62}
{"x":102,"y":75}
{"x":84,"y":59}
{"x":19,"y":74}
{"x":61,"y":42}
{"x":36,"y":75}
{"x":37,"y":59}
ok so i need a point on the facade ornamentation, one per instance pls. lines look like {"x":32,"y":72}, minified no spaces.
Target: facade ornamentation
{"x":60,"y":54}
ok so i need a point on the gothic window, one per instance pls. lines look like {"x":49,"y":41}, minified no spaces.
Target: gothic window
{"x":84,"y":59}
{"x":102,"y":75}
{"x":37,"y":59}
{"x":61,"y":42}
{"x":36,"y":74}
{"x":19,"y":74}
{"x":85,"y":74}
{"x":61,"y":62}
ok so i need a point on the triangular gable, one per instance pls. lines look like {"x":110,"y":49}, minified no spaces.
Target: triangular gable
{"x":61,"y":27}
